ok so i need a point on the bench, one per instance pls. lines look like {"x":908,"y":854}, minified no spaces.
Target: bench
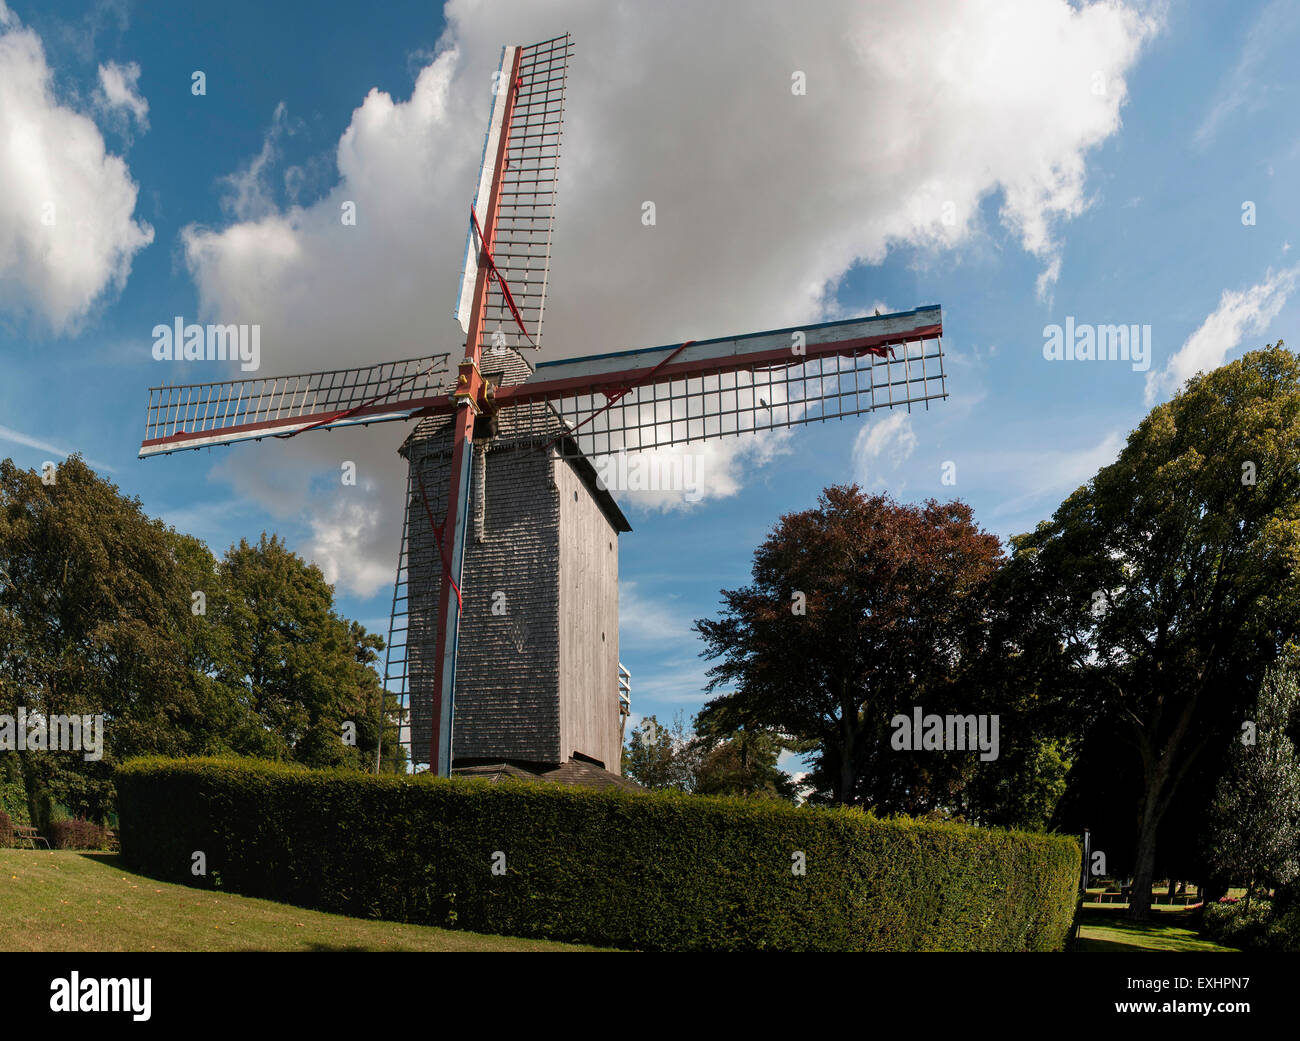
{"x":25,"y":832}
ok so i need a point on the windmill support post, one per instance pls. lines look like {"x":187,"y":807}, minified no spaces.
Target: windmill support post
{"x":469,"y":387}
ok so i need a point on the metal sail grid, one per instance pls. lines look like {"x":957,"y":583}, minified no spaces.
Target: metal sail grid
{"x":525,"y":217}
{"x":743,"y":400}
{"x":193,"y":414}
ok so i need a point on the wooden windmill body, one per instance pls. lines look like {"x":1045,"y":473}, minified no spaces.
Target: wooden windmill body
{"x":537,"y":661}
{"x":503,"y":647}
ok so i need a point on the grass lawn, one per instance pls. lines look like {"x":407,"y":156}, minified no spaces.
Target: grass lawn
{"x":68,"y":901}
{"x":1106,"y":929}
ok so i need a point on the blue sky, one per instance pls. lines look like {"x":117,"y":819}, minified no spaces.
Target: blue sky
{"x":1097,"y":159}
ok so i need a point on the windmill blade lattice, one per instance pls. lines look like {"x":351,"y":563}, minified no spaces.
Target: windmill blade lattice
{"x":729,"y":387}
{"x":525,"y":217}
{"x":197,"y":415}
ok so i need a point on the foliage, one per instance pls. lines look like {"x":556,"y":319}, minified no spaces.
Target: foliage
{"x":76,"y":833}
{"x":106,"y":611}
{"x":1258,"y":925}
{"x":1256,"y":813}
{"x":859,"y":609}
{"x":1023,"y":787}
{"x":1159,"y":592}
{"x":13,"y":801}
{"x":743,"y":763}
{"x":649,"y":870}
{"x":661,"y":758}
{"x":6,"y":830}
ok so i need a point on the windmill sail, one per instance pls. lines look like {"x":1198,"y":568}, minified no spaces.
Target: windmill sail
{"x":662,"y":396}
{"x":519,"y":230}
{"x":197,"y":415}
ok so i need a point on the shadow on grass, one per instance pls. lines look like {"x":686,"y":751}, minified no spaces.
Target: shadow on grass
{"x":113,"y":860}
{"x":1106,"y":929}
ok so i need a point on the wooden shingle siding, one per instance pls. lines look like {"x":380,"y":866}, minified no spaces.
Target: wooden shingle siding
{"x":588,"y":581}
{"x":536,"y":683}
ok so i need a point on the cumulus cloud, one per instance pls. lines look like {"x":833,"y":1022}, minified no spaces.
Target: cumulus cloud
{"x":119,"y":94}
{"x":765,"y":198}
{"x":67,"y":235}
{"x":885,"y":442}
{"x":678,"y":477}
{"x":1240,"y":313}
{"x":334,"y":534}
{"x":249,"y":192}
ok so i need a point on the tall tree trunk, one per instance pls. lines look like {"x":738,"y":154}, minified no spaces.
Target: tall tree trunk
{"x":1161,"y":781}
{"x":1139,"y":901}
{"x":848,"y":734}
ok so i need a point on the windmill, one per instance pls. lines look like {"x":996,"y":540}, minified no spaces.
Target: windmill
{"x":505,"y":605}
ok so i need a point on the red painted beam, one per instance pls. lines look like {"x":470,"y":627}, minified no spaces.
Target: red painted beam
{"x":453,"y":528}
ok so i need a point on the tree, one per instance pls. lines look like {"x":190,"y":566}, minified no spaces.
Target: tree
{"x":1022,"y":788}
{"x":107,"y":612}
{"x":660,"y":757}
{"x":300,"y":670}
{"x":743,"y":763}
{"x":1169,"y":582}
{"x":858,"y":609}
{"x":1256,"y":812}
{"x":94,"y":608}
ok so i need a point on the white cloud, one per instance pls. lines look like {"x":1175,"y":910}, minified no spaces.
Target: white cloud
{"x":1046,"y":474}
{"x":249,"y":196}
{"x":17,"y":437}
{"x":337,"y":531}
{"x":764,"y":199}
{"x":677,"y":477}
{"x":67,"y":235}
{"x":889,"y":440}
{"x":119,"y":93}
{"x":1269,"y":40}
{"x":1239,"y":314}
{"x":643,"y":620}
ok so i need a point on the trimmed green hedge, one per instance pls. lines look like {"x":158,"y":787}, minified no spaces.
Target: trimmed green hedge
{"x":653,"y":871}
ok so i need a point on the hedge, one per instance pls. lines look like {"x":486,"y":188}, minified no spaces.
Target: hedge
{"x":650,"y":871}
{"x":75,"y":833}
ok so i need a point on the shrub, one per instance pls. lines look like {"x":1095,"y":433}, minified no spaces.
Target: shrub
{"x":1284,"y":931}
{"x":76,"y":833}
{"x":13,"y":802}
{"x":1232,"y":923}
{"x":6,"y":830}
{"x":656,"y":871}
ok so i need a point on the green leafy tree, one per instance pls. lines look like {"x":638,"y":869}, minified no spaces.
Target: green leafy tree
{"x":300,"y":670}
{"x":1022,"y":788}
{"x":94,"y":606}
{"x":858,"y":610}
{"x":1170,"y":581}
{"x":1256,"y":812}
{"x":660,"y":757}
{"x":106,"y":611}
{"x":743,"y":763}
